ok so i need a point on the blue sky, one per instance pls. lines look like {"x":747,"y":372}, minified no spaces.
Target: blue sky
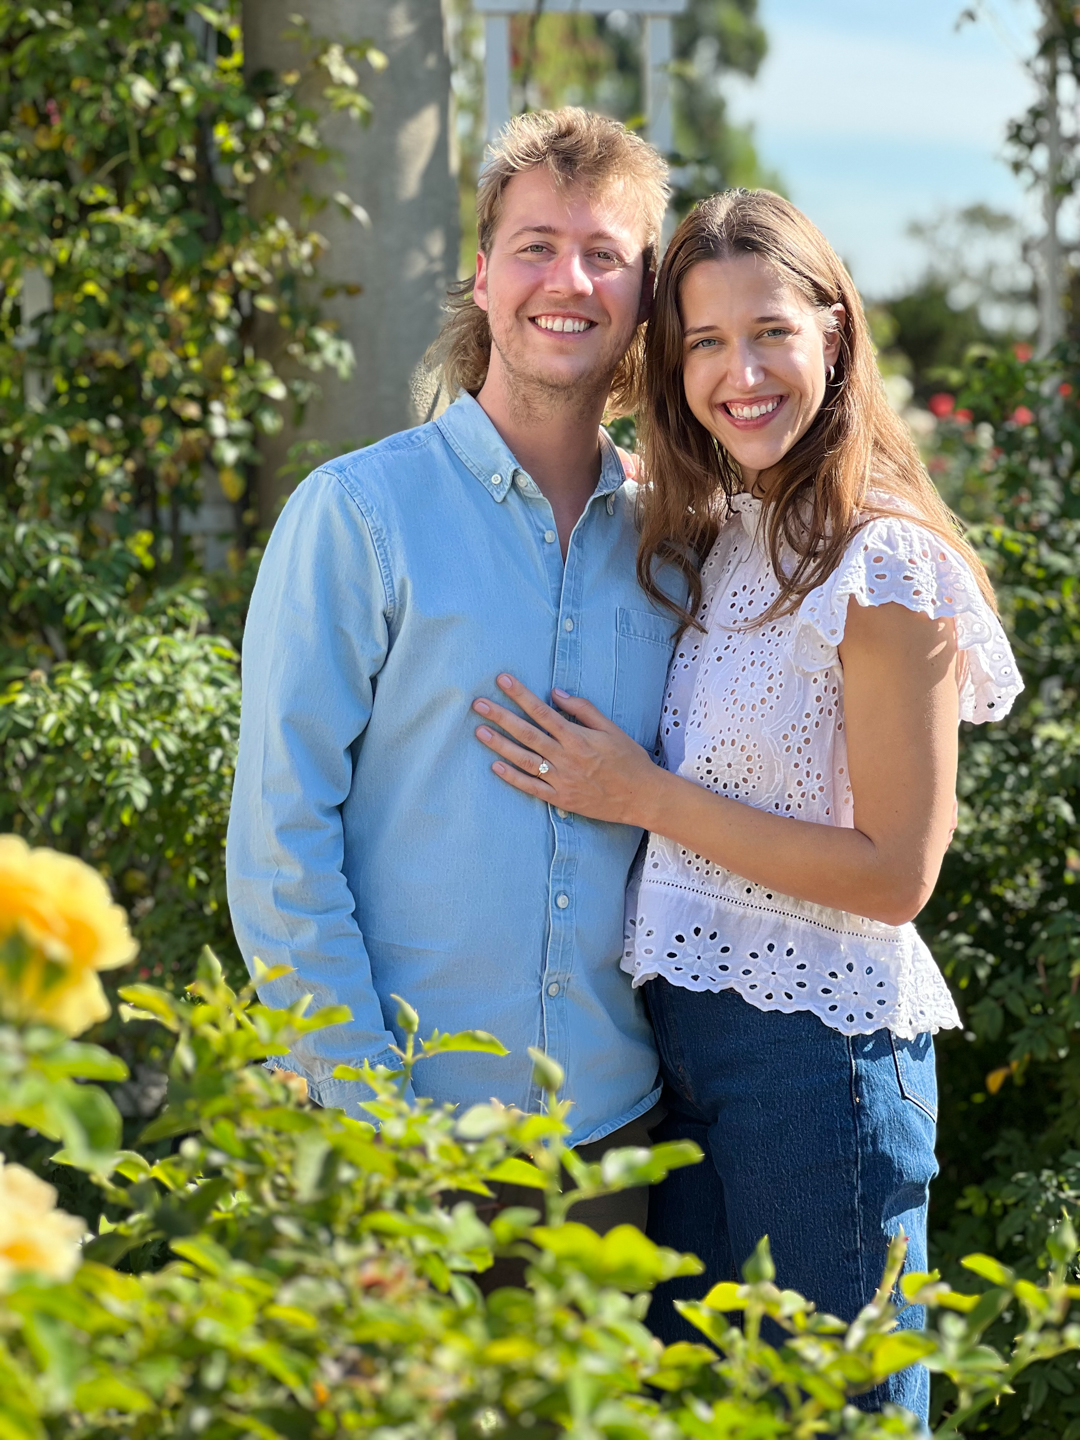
{"x":879,"y":112}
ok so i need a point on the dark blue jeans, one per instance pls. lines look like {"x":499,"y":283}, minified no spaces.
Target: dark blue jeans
{"x":822,"y":1141}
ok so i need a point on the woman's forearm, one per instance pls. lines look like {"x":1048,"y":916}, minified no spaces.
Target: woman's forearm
{"x":825,"y":864}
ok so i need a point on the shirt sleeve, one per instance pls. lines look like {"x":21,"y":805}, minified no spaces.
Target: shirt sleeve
{"x":317,"y":634}
{"x":893,"y":560}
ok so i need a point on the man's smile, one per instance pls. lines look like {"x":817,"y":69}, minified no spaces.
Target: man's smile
{"x":563,"y":324}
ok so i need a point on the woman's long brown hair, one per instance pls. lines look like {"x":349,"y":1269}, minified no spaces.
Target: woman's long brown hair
{"x":820,"y":492}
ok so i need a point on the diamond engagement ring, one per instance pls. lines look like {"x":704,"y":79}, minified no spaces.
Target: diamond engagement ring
{"x":543,"y":768}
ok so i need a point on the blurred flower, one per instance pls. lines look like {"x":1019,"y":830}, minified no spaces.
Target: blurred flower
{"x":1065,"y":388}
{"x":58,"y":928}
{"x":34,"y":1235}
{"x":1022,"y":415}
{"x":1023,"y":352}
{"x":941,"y":404}
{"x":965,"y":417}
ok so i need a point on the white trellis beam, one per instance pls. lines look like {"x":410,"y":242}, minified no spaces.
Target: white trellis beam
{"x":656,"y":58}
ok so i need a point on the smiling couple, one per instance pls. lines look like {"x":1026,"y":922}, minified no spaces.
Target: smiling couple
{"x":465,"y":639}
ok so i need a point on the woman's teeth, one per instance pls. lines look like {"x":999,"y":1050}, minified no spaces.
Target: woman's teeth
{"x":561,"y":322}
{"x":751,"y":412}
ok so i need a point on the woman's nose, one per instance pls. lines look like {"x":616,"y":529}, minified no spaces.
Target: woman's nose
{"x":746,"y":371}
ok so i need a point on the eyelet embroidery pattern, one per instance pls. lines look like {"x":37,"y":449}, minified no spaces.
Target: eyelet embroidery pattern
{"x":757,"y":714}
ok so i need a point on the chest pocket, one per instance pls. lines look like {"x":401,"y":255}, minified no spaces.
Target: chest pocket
{"x":643,"y":645}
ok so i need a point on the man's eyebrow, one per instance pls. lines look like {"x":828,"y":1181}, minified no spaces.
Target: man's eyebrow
{"x":761,"y":320}
{"x":554,"y":230}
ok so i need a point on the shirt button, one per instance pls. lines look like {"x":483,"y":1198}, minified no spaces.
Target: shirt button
{"x":561,"y":813}
{"x":553,"y":988}
{"x":568,"y":624}
{"x":562,"y":901}
{"x":549,"y":536}
{"x":520,"y":481}
{"x":496,"y":479}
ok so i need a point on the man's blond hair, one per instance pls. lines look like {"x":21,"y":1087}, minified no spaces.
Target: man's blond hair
{"x":576,"y":147}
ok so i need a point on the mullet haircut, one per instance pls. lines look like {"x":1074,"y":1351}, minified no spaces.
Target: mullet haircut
{"x":576,"y":147}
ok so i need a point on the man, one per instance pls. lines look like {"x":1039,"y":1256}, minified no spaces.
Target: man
{"x":370,"y":847}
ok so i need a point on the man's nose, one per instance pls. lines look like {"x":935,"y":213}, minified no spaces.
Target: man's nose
{"x":568,"y":274}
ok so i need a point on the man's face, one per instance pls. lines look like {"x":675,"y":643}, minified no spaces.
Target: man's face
{"x":562,"y":286}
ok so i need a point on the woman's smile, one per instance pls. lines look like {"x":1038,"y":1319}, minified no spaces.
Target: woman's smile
{"x":754,"y":413}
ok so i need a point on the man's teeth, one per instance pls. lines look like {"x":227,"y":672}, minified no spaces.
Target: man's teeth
{"x":562,"y":322}
{"x":751,"y":412}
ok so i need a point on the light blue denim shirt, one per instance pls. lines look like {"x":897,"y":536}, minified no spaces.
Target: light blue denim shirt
{"x":370,"y":846}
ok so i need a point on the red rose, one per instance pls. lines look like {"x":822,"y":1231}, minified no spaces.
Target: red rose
{"x":965,"y":417}
{"x":1022,"y":415}
{"x":1064,"y":388}
{"x":941,"y":404}
{"x":1023,"y":352}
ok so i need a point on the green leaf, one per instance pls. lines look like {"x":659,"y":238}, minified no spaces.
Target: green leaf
{"x":989,"y":1268}
{"x":477,"y":1041}
{"x":893,"y":1353}
{"x":107,"y":1392}
{"x":514,"y":1171}
{"x":203,"y":1252}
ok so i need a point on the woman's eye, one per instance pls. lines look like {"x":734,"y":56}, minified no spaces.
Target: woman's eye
{"x":704,"y":344}
{"x":779,"y":330}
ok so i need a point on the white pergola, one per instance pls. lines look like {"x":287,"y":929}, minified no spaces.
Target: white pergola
{"x":656,"y":58}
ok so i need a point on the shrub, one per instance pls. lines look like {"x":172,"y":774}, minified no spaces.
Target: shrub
{"x":293,"y":1272}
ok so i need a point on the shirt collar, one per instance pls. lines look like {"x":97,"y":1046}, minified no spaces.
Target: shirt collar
{"x":468,"y":430}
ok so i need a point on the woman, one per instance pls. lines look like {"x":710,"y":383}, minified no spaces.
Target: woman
{"x":838,"y":631}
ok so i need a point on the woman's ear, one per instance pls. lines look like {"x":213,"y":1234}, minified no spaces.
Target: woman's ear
{"x":835,"y":333}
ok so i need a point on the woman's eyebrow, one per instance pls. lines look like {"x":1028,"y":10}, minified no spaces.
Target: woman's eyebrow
{"x":761,"y":320}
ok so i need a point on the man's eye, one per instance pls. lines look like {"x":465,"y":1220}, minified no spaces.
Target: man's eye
{"x":607,"y":257}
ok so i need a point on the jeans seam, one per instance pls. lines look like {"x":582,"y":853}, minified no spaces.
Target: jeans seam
{"x":853,"y":1071}
{"x":904,"y":1095}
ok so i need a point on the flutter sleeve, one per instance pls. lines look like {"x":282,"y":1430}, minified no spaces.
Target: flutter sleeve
{"x":893,"y":560}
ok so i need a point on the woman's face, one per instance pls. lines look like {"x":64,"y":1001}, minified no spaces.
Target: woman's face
{"x":755,"y":356}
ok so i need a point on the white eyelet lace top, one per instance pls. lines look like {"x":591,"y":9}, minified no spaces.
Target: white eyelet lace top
{"x":757,"y":714}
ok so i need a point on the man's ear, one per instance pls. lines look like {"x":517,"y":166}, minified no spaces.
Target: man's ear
{"x":479,"y":293}
{"x":648,"y":291}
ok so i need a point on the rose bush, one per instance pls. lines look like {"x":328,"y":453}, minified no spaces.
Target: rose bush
{"x":262,"y":1267}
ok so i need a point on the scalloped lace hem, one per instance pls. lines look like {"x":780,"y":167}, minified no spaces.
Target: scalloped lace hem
{"x":777,"y":961}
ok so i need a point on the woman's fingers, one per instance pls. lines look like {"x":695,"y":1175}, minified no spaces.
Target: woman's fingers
{"x":532,"y":705}
{"x":527,"y":760}
{"x":584,"y":711}
{"x":526,"y":783}
{"x":528,"y":734}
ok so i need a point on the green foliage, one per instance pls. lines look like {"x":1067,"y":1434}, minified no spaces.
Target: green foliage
{"x":130,"y":143}
{"x":1005,"y":918}
{"x":118,"y":724}
{"x":315,"y":1274}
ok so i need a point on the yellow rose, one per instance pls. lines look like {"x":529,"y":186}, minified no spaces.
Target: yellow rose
{"x":58,"y":928}
{"x":34,"y":1235}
